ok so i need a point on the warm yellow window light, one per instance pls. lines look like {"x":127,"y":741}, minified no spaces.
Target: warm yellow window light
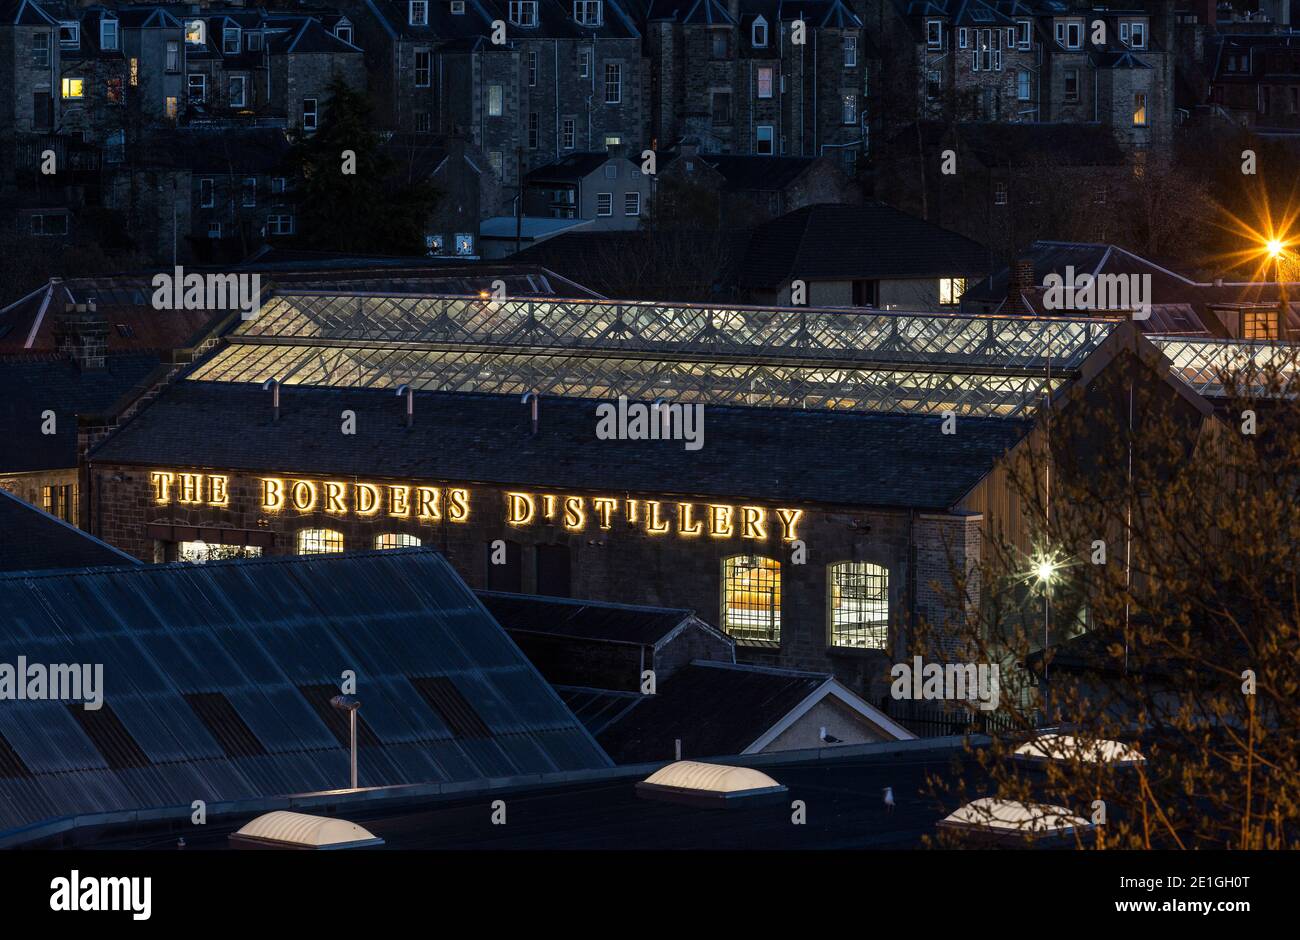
{"x":74,"y":88}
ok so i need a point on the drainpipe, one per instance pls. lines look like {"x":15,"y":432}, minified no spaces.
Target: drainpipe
{"x":555,"y":45}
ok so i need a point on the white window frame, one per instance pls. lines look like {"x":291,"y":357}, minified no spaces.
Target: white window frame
{"x":588,"y":12}
{"x":616,"y":86}
{"x":417,"y":12}
{"x":632,"y":203}
{"x":1024,"y":34}
{"x":756,"y":38}
{"x":584,"y":63}
{"x":226,"y":32}
{"x":1134,"y":31}
{"x":74,"y":28}
{"x":850,"y":52}
{"x":568,"y":133}
{"x":41,"y":54}
{"x":1024,"y":86}
{"x":934,"y":34}
{"x":963,"y":37}
{"x":342,"y":28}
{"x":457,"y":7}
{"x":604,"y":205}
{"x":523,"y":13}
{"x":103,"y":29}
{"x":313,"y":112}
{"x":759,"y":139}
{"x":771,"y":81}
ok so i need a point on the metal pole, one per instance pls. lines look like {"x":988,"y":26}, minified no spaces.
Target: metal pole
{"x":353,"y":720}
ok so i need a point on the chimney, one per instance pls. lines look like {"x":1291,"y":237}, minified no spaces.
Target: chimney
{"x":82,"y":334}
{"x":1020,"y":281}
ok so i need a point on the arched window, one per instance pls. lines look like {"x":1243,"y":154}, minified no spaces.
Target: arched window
{"x":858,"y":605}
{"x":751,"y":598}
{"x":319,"y":541}
{"x":396,"y":540}
{"x":758,"y":34}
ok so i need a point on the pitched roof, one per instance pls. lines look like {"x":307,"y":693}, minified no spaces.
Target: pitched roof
{"x":871,"y":241}
{"x":32,"y":384}
{"x":748,"y":173}
{"x":875,"y":459}
{"x":218,"y":688}
{"x":569,"y":168}
{"x":593,"y":620}
{"x":34,"y":540}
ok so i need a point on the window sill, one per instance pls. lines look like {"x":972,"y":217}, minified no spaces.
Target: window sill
{"x":855,"y":652}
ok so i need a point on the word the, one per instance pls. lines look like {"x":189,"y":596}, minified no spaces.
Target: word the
{"x":181,"y":291}
{"x":75,"y":893}
{"x":954,"y":682}
{"x":58,"y":682}
{"x":656,"y":422}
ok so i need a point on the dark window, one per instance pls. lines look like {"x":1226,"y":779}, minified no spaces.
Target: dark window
{"x":42,"y":110}
{"x":225,"y":725}
{"x":318,"y":696}
{"x":554,"y":571}
{"x":864,"y":293}
{"x":721,"y":107}
{"x":455,"y":711}
{"x":109,"y":736}
{"x":720,"y":44}
{"x":508,"y":576}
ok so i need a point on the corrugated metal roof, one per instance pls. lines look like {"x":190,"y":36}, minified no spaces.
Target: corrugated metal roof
{"x":213,"y":678}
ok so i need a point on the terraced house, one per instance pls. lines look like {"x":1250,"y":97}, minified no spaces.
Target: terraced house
{"x":563,"y":77}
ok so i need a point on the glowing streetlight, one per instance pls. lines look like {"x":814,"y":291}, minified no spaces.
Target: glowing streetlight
{"x":1045,"y":569}
{"x":1274,"y":247}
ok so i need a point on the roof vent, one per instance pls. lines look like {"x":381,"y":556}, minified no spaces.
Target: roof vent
{"x":715,"y":785}
{"x":285,"y":830}
{"x":1064,"y":747}
{"x":1010,"y":819}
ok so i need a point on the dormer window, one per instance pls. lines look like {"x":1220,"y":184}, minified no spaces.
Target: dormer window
{"x":417,"y":12}
{"x":1022,"y":34}
{"x":758,"y":33}
{"x":70,"y":34}
{"x":1138,"y":35}
{"x":196,"y":33}
{"x":934,"y":34}
{"x":254,"y":41}
{"x":230,"y":40}
{"x":343,"y":31}
{"x":588,"y":12}
{"x":1069,"y":34}
{"x":523,"y":12}
{"x":458,"y":7}
{"x":108,"y":34}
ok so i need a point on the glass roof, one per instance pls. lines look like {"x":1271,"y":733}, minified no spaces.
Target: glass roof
{"x":953,"y":341}
{"x":1204,"y":364}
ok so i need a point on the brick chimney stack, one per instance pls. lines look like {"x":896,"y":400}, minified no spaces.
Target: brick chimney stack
{"x":82,"y":333}
{"x":1020,"y":281}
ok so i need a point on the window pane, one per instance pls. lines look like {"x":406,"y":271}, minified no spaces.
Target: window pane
{"x":859,"y":605}
{"x":751,"y":598}
{"x":319,"y":541}
{"x":396,"y":540}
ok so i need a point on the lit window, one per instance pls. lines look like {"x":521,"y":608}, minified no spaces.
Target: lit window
{"x":612,"y":140}
{"x":135,"y":71}
{"x":495,"y":94}
{"x":200,"y":553}
{"x":632,"y":204}
{"x":418,"y":12}
{"x":74,"y":88}
{"x":523,"y":12}
{"x":850,"y":51}
{"x":1259,"y":324}
{"x":196,"y":33}
{"x":859,"y":605}
{"x":1139,"y":110}
{"x":763,"y":140}
{"x":751,"y":598}
{"x":758,"y":33}
{"x":113,"y":90}
{"x":433,"y":244}
{"x":604,"y":203}
{"x":613,"y":83}
{"x":587,"y":12}
{"x":464,"y":243}
{"x":951,"y":289}
{"x":319,"y":541}
{"x":396,"y":540}
{"x":170,"y":107}
{"x":765,"y":77}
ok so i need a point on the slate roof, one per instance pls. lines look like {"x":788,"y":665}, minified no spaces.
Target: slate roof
{"x":216,"y":687}
{"x":591,"y":620}
{"x":716,"y":709}
{"x":569,"y":168}
{"x":870,"y":241}
{"x":786,"y":456}
{"x":471,"y":29}
{"x":31,"y":384}
{"x":34,"y":540}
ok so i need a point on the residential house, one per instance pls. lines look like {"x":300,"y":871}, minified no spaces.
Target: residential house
{"x":603,"y":187}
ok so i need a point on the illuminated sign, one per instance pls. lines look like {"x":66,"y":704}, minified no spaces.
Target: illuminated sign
{"x":426,"y":504}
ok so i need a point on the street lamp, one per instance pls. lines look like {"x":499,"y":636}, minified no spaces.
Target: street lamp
{"x":350,"y":704}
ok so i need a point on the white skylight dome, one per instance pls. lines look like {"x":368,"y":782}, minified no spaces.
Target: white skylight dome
{"x":1013,"y":818}
{"x":708,"y":784}
{"x":1067,"y":747}
{"x":282,"y":829}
